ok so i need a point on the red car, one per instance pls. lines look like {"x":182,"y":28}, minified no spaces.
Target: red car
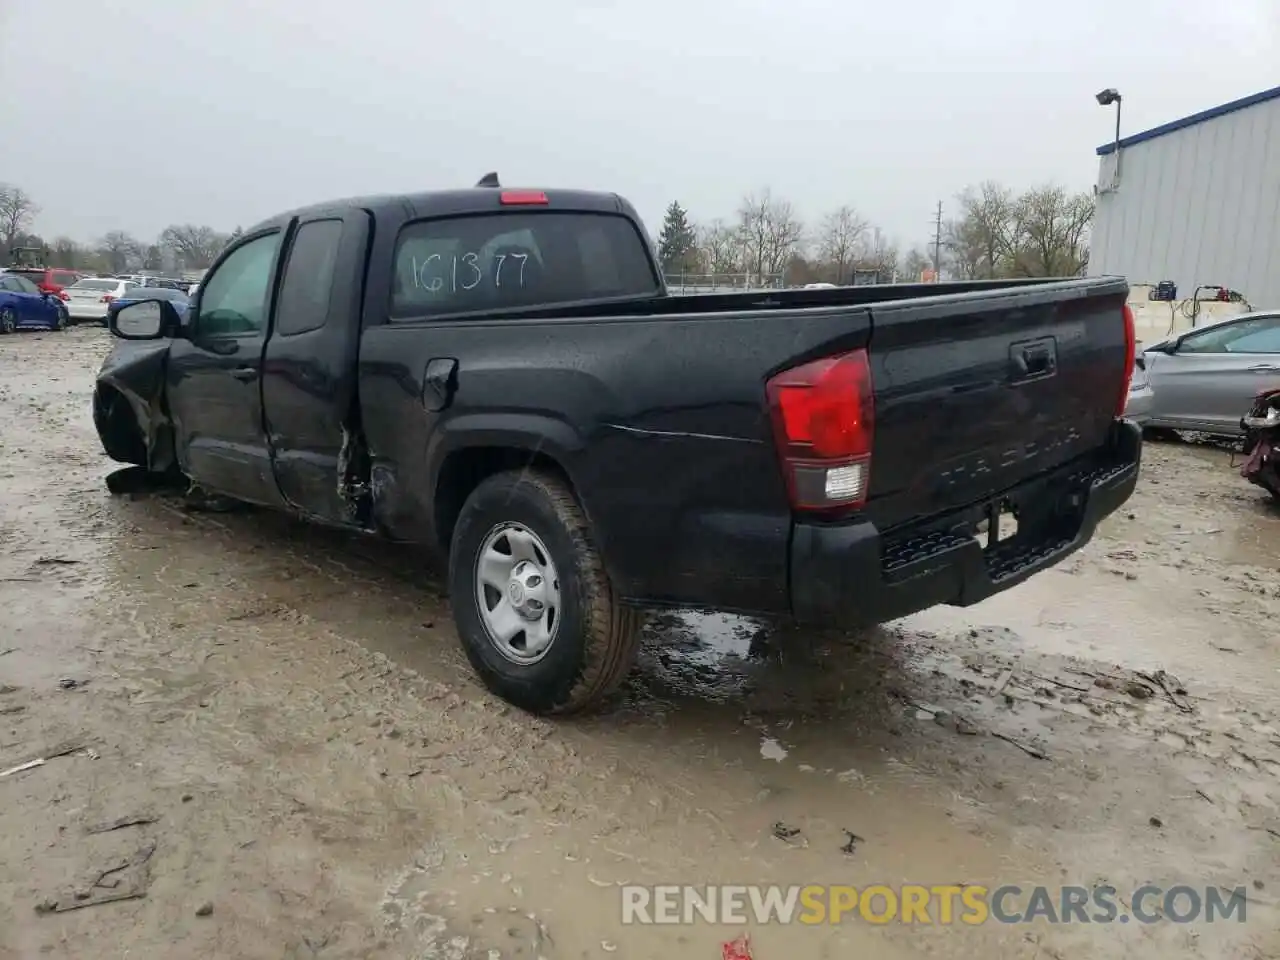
{"x":48,"y":279}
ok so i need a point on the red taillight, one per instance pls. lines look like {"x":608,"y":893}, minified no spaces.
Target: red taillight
{"x":1130,"y":354}
{"x":823,"y":422}
{"x":522,"y":197}
{"x":107,"y":298}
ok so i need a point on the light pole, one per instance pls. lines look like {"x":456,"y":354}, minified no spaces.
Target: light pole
{"x":1106,"y":98}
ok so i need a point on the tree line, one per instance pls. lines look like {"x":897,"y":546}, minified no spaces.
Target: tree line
{"x":178,"y":247}
{"x":994,"y":233}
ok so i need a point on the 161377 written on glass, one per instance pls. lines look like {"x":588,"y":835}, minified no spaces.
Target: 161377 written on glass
{"x":462,"y":272}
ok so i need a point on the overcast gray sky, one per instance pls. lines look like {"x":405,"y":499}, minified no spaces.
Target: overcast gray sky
{"x":141,"y":113}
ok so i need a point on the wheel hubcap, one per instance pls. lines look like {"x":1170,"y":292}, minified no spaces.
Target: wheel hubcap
{"x":518,"y":593}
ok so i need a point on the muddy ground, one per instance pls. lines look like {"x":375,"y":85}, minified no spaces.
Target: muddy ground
{"x":326,"y":778}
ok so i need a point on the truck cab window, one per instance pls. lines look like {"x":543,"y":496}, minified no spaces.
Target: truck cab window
{"x":494,"y":262}
{"x":233,"y":299}
{"x":308,"y":277}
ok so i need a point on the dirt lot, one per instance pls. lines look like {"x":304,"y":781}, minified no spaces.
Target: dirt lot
{"x":326,"y":779}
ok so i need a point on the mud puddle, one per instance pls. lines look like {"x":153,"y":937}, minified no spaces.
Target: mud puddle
{"x":327,"y":778}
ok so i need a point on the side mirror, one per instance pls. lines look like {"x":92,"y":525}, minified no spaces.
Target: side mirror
{"x":145,"y":320}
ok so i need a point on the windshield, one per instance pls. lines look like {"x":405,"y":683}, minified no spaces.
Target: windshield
{"x":95,"y":284}
{"x":517,"y":259}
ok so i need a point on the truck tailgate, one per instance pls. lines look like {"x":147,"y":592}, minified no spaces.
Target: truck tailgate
{"x":978,"y":392}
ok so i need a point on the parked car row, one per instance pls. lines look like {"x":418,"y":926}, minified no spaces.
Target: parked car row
{"x":26,"y":305}
{"x":1203,"y":379}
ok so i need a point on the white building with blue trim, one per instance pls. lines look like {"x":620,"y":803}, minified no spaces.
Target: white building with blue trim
{"x":1195,"y":201}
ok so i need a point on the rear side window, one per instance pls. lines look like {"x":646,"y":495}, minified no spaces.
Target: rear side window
{"x":308,"y":277}
{"x":495,"y":262}
{"x":1255,"y":335}
{"x":64,"y":279}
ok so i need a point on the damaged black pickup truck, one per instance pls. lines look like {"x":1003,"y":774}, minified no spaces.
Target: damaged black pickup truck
{"x":501,"y":375}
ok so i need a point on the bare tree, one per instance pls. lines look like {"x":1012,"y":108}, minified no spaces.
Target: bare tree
{"x":65,"y":252}
{"x":119,"y":250}
{"x":771,"y":232}
{"x":721,"y":247}
{"x":1053,"y":231}
{"x":17,"y":210}
{"x":965,"y":249}
{"x":879,"y":254}
{"x":841,"y":237}
{"x":984,"y":240}
{"x":914,"y":265}
{"x":195,"y":246}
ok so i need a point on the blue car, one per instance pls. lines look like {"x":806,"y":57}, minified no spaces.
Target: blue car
{"x":179,"y":300}
{"x":24,"y":307}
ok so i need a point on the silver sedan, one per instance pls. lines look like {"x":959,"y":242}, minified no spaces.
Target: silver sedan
{"x":1205,"y":379}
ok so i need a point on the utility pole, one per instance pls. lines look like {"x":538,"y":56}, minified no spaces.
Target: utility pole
{"x":937,"y":245}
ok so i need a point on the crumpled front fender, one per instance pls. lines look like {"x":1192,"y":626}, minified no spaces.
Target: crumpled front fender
{"x":136,"y":371}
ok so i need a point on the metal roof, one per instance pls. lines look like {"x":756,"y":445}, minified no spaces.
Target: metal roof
{"x":1191,"y":121}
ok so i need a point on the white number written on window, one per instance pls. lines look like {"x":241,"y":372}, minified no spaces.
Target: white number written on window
{"x":461,"y":272}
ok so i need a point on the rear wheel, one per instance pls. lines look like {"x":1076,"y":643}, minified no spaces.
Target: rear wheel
{"x":60,"y":322}
{"x":8,"y":320}
{"x":534,"y":608}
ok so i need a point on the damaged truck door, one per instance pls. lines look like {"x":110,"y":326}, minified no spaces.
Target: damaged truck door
{"x":309,"y":370}
{"x":214,"y":386}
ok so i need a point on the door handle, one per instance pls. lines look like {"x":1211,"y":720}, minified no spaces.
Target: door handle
{"x":1263,"y":368}
{"x":244,"y":373}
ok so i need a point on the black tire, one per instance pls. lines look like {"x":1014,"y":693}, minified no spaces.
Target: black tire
{"x":63,"y":319}
{"x":595,"y":643}
{"x":8,"y":322}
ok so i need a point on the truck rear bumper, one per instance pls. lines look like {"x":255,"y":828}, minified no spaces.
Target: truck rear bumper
{"x":852,"y":575}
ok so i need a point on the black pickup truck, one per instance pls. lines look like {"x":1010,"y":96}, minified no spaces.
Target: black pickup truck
{"x":501,"y":375}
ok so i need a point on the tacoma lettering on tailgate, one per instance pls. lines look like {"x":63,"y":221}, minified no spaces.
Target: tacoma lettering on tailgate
{"x":972,"y":469}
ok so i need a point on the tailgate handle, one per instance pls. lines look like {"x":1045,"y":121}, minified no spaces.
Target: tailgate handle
{"x":1035,"y":359}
